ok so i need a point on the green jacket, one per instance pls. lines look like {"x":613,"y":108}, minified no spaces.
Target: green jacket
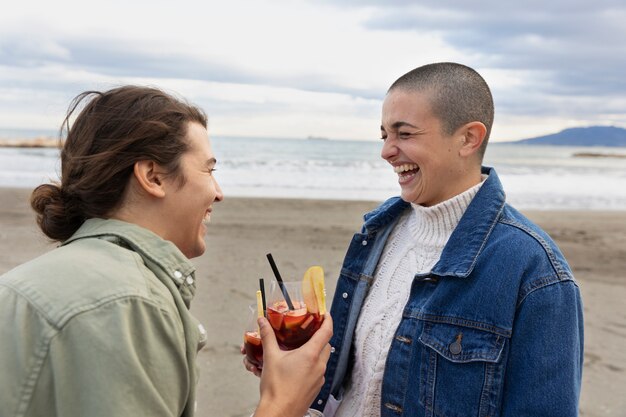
{"x":100,"y":327}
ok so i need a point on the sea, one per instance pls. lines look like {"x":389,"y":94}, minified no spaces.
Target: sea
{"x":534,"y":177}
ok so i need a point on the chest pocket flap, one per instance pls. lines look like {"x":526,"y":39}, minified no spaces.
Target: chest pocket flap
{"x":462,"y":344}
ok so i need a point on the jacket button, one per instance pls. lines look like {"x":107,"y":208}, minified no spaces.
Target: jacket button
{"x":332,"y":349}
{"x":455,"y":347}
{"x":428,"y":278}
{"x":178,"y":274}
{"x":320,"y":402}
{"x":189,"y":280}
{"x":364,"y":243}
{"x":344,"y":295}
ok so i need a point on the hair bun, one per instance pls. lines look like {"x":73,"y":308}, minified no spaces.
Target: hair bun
{"x":57,"y":217}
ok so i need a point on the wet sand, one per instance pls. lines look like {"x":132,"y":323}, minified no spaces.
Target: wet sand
{"x":301,"y":233}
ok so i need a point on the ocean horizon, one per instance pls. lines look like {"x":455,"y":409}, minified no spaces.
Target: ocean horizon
{"x":534,"y":177}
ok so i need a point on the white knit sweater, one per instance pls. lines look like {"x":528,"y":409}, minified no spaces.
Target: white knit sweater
{"x":414,"y":246}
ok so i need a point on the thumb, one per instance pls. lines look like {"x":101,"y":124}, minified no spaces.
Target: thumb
{"x":268,"y":338}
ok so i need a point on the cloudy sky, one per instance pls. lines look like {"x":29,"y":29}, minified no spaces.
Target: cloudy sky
{"x":294,"y":68}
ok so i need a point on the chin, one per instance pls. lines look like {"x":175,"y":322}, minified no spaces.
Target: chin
{"x":201,"y":248}
{"x":196,"y":253}
{"x":409,"y":198}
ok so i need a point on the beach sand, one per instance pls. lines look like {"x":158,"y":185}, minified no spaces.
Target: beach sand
{"x":301,"y":233}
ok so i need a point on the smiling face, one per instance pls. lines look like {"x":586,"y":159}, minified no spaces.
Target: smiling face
{"x":428,"y":162}
{"x":187,"y":208}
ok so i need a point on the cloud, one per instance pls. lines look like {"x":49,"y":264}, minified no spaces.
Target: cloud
{"x":558,"y":63}
{"x":116,"y":58}
{"x":316,"y":67}
{"x":579,"y":45}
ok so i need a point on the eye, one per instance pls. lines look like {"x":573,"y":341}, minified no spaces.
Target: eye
{"x":383,"y":137}
{"x":404,"y":135}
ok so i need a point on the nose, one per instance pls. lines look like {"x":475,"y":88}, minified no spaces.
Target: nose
{"x":389,"y":149}
{"x":219,"y":196}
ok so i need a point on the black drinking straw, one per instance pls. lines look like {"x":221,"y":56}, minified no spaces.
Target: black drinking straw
{"x":262,"y":286}
{"x":280,"y":281}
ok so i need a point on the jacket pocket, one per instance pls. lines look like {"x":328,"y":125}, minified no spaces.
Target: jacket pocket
{"x":461,"y":370}
{"x":462,"y":344}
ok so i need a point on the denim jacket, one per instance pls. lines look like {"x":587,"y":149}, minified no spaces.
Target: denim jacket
{"x":495,"y":329}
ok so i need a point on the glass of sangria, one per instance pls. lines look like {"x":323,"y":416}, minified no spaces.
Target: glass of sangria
{"x":293,"y":319}
{"x":252,"y":338}
{"x":295,"y":310}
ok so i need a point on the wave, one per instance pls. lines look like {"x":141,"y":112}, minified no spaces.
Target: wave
{"x":534,"y":177}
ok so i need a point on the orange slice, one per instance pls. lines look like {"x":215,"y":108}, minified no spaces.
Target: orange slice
{"x":314,"y":290}
{"x":253,"y":338}
{"x":295,"y":318}
{"x":275,"y":319}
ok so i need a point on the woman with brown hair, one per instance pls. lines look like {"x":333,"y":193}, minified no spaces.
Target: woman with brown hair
{"x":101,"y":325}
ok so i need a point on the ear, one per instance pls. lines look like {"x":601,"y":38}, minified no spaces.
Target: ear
{"x":149,"y":178}
{"x":473,"y":135}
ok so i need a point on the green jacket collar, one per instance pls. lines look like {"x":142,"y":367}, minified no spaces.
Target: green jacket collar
{"x":158,"y":254}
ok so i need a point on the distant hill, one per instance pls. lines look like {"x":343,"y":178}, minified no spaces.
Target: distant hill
{"x":39,"y":142}
{"x":582,"y":136}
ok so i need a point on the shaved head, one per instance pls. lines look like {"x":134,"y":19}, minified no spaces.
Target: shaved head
{"x":457,"y":93}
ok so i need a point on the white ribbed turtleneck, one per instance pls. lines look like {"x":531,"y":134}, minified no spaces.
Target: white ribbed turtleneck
{"x":414,"y":246}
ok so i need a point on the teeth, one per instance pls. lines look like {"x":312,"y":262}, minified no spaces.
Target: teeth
{"x":207,"y":219}
{"x":403,"y":168}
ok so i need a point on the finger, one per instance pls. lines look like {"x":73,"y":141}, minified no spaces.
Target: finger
{"x":250,"y":367}
{"x":268,"y":338}
{"x":325,"y":355}
{"x":247,"y":364}
{"x":242,"y":349}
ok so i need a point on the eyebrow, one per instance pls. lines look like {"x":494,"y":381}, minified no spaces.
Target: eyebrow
{"x":398,"y":125}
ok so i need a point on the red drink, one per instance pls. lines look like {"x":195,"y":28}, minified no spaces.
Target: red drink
{"x":292,"y":327}
{"x":254,"y":348}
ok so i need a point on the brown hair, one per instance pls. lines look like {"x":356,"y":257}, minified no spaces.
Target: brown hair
{"x":114,"y":130}
{"x":458,"y":95}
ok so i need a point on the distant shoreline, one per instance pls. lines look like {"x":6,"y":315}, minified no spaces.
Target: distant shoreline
{"x":39,"y":142}
{"x":598,"y":155}
{"x":50,"y":142}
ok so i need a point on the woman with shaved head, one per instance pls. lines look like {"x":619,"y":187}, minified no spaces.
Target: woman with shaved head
{"x":450,"y":302}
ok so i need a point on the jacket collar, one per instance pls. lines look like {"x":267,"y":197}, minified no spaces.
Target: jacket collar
{"x":155,"y":251}
{"x":384,"y":214}
{"x":468,"y":239}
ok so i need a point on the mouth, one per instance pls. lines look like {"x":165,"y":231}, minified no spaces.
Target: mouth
{"x":207,"y":217}
{"x":406,"y":171}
